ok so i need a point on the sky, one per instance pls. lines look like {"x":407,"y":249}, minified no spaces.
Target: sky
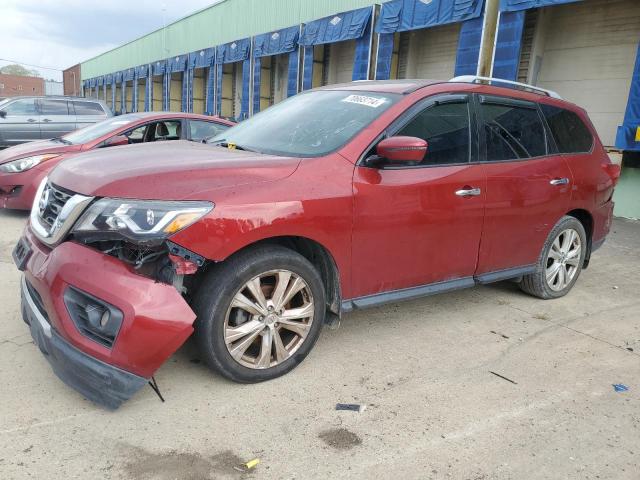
{"x":61,"y":33}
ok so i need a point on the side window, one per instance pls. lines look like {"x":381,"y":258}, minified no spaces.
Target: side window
{"x":446,"y":129}
{"x":167,"y":130}
{"x":21,"y":107}
{"x":568,"y":130}
{"x":199,"y":130}
{"x":512,"y":132}
{"x":137,"y":134}
{"x":54,"y":107}
{"x":88,"y":108}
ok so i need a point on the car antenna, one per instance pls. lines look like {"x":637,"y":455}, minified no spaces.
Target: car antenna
{"x":154,"y":385}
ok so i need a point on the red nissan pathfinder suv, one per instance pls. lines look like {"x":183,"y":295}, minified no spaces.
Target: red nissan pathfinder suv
{"x":340,"y":198}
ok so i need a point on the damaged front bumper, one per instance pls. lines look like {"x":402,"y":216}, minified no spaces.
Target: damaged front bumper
{"x":155,"y":319}
{"x":99,"y":382}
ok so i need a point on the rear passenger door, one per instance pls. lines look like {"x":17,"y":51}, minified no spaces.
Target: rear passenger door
{"x":88,"y":113}
{"x":55,"y":118}
{"x":528,"y":185}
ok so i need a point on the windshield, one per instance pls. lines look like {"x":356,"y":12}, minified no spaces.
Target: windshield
{"x":3,"y":101}
{"x":308,"y":125}
{"x":99,"y":129}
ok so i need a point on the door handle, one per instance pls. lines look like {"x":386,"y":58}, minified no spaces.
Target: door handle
{"x":46,"y":120}
{"x":31,"y":120}
{"x":559,"y":181}
{"x":468,"y":192}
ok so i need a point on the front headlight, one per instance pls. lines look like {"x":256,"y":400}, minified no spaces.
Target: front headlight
{"x":26,"y":163}
{"x":139,"y":221}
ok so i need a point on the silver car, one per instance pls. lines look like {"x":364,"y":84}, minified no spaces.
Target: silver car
{"x":23,"y":119}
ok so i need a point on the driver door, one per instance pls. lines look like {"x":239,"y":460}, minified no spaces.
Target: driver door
{"x":418,"y":225}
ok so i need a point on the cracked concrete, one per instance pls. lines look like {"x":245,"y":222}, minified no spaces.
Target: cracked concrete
{"x":423,"y":368}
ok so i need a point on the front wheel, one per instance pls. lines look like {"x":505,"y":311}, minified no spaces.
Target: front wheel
{"x":560,"y":261}
{"x":259,"y":314}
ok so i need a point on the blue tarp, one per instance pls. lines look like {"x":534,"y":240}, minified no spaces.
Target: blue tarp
{"x":219,"y":72}
{"x":307,"y":69}
{"x":92,"y":82}
{"x":469,"y":47}
{"x":128,"y":74}
{"x":275,"y":43}
{"x":142,"y":71}
{"x":202,"y":58}
{"x":628,"y":131}
{"x":99,"y":81}
{"x":336,"y":28}
{"x":385,"y":56}
{"x":178,"y":63}
{"x":118,"y":77}
{"x":108,"y":79}
{"x":508,"y":44}
{"x":211,"y":76}
{"x":362,"y":55}
{"x":159,"y":67}
{"x":517,"y":5}
{"x":404,"y":15}
{"x":237,"y":51}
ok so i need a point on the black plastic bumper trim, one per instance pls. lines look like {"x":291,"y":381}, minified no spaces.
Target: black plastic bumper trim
{"x":103,"y":384}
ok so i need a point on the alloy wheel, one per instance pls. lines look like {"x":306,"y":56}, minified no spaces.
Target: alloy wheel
{"x":269,"y":319}
{"x":563,"y":260}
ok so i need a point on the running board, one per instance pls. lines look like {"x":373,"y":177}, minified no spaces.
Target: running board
{"x":413,"y":293}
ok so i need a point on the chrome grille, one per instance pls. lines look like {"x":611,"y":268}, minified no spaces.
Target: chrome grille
{"x":57,"y":199}
{"x":54,"y":212}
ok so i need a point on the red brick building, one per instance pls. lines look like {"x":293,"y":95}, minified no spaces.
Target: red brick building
{"x":16,"y":86}
{"x":71,"y":80}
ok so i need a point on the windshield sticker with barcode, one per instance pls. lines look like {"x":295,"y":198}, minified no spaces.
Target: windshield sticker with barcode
{"x":372,"y":102}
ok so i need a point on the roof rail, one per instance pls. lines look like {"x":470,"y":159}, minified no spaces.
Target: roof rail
{"x":522,"y":86}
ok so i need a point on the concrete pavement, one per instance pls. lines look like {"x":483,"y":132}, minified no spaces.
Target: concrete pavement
{"x":422,"y":367}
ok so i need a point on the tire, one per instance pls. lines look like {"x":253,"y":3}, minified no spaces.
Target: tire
{"x":558,"y":253}
{"x":221,"y":307}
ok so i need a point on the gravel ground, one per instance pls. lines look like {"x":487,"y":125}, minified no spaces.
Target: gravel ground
{"x":423,"y":368}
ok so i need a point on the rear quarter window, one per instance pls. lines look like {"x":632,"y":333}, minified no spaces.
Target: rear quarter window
{"x":569,"y":131}
{"x":88,"y":108}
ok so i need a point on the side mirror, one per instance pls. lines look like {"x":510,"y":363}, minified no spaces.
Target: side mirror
{"x":402,"y":149}
{"x":3,"y":114}
{"x":116,"y":141}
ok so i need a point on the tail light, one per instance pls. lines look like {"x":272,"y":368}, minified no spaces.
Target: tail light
{"x":613,"y":170}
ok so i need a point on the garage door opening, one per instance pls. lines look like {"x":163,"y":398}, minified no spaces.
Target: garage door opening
{"x":118,"y":107}
{"x":273,"y":79}
{"x":231,"y":94}
{"x":175,"y":92}
{"x":199,"y":89}
{"x":109,"y":100}
{"x":142,"y":94}
{"x":427,"y":53}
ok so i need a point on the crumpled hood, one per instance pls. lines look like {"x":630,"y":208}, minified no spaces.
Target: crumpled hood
{"x":172,"y":170}
{"x":35,"y":148}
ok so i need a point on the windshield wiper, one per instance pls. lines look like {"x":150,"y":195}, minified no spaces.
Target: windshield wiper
{"x":62,"y":140}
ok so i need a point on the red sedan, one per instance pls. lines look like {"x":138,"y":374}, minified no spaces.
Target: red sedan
{"x":23,"y":167}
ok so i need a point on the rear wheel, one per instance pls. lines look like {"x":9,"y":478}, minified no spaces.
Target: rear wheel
{"x":560,"y":261}
{"x":259,"y":314}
